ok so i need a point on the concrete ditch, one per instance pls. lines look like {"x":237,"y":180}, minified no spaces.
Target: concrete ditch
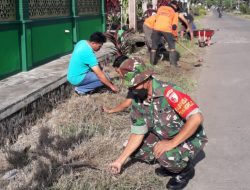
{"x":19,"y":121}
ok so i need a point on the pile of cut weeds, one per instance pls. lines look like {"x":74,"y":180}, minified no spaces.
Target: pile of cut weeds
{"x":71,"y":147}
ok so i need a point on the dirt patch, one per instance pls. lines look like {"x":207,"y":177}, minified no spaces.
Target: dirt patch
{"x":71,"y":147}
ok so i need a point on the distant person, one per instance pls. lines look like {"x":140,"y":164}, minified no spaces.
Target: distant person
{"x":189,"y":17}
{"x":149,"y":12}
{"x":219,"y":12}
{"x":83,"y":71}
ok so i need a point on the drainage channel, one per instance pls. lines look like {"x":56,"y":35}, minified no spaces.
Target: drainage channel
{"x":19,"y":121}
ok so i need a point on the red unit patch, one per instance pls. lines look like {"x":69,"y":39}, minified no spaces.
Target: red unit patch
{"x":179,"y":101}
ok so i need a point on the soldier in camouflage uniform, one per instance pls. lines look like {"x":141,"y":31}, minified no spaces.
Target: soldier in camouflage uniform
{"x":166,"y":127}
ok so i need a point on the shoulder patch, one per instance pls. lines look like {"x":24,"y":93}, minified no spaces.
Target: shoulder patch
{"x":179,"y":101}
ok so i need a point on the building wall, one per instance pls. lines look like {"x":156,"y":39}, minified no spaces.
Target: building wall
{"x":84,"y":32}
{"x":48,"y":41}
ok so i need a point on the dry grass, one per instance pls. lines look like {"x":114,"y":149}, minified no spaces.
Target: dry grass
{"x":245,"y":16}
{"x":71,"y":147}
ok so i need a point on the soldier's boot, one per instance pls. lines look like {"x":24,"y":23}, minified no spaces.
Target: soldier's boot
{"x":153,"y":57}
{"x":163,"y":172}
{"x":180,"y":181}
{"x":173,"y":59}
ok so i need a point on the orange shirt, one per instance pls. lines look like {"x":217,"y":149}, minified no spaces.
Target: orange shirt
{"x":165,"y":19}
{"x":150,"y":21}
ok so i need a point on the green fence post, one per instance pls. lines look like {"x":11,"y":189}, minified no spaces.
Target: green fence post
{"x":74,"y":12}
{"x":103,"y":4}
{"x":23,"y":35}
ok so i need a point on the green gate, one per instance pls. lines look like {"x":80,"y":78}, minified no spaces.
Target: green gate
{"x":33,"y":32}
{"x":10,"y":55}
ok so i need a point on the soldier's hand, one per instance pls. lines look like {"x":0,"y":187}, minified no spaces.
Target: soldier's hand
{"x":161,"y":147}
{"x":115,"y":167}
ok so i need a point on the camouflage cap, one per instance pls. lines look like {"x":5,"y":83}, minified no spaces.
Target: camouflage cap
{"x":129,"y":64}
{"x":135,"y":71}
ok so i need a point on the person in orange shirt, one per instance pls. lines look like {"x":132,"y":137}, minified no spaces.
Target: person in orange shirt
{"x":165,"y":25}
{"x":148,"y":26}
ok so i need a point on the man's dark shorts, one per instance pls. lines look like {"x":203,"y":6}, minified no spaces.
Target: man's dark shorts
{"x":156,"y":39}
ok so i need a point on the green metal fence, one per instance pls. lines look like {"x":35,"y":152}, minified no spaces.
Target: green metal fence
{"x":33,"y":32}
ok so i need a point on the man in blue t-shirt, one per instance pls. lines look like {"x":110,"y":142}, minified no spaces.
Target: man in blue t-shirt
{"x":83,"y":70}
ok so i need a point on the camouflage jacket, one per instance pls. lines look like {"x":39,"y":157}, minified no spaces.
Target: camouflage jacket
{"x":157,"y":116}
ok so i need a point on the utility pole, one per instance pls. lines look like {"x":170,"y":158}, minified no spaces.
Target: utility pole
{"x":132,"y":14}
{"x":154,"y":2}
{"x":121,"y":8}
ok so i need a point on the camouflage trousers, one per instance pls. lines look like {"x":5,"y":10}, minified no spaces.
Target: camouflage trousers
{"x":176,"y":159}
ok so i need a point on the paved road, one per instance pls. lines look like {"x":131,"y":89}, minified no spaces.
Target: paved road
{"x":224,"y":96}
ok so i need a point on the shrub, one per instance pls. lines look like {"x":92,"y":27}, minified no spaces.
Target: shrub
{"x":199,"y":11}
{"x":244,"y":8}
{"x":202,"y":11}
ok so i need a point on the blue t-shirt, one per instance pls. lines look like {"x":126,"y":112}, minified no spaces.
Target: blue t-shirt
{"x":82,"y":60}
